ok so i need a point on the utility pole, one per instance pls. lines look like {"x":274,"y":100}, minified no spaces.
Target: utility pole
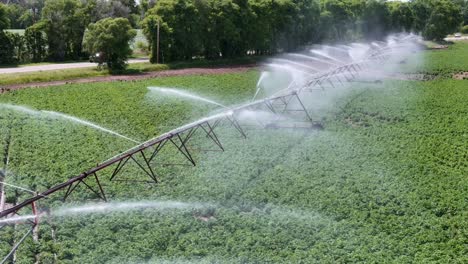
{"x":157,"y":44}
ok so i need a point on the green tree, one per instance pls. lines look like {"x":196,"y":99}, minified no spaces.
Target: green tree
{"x":305,"y":27}
{"x":150,"y":29}
{"x":227,"y":18}
{"x":64,"y":23}
{"x":445,"y":18}
{"x":339,"y":18}
{"x":6,"y":45}
{"x":19,"y":47}
{"x":262,"y":30}
{"x":463,"y":4}
{"x":278,"y":19}
{"x":181,"y":35}
{"x":15,"y":12}
{"x":421,"y":10}
{"x":465,"y":13}
{"x":464,"y":29}
{"x":4,"y":20}
{"x":111,"y":38}
{"x":376,"y":19}
{"x":401,"y":16}
{"x":36,"y":42}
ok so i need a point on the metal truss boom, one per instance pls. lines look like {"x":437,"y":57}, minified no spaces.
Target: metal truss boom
{"x":179,"y":137}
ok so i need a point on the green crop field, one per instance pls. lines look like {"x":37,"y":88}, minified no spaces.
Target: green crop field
{"x":384,"y":182}
{"x":453,"y":60}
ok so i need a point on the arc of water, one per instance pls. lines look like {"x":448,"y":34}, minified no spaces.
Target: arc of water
{"x":17,"y":219}
{"x":324,"y":55}
{"x":87,"y":123}
{"x":30,"y":111}
{"x":335,"y":48}
{"x":297,"y":64}
{"x":20,"y":108}
{"x":312,"y":58}
{"x":18,"y":187}
{"x":125,"y":206}
{"x":260,"y":80}
{"x":184,"y":94}
{"x":290,"y":69}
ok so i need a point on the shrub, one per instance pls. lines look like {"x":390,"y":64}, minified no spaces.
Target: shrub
{"x":6,"y":49}
{"x":464,"y":29}
{"x":19,"y":47}
{"x":36,"y":42}
{"x":111,"y":38}
{"x":142,"y":47}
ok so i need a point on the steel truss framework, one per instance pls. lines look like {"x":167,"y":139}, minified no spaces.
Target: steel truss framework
{"x":143,"y":154}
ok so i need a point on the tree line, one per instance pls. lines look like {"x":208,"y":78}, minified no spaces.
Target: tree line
{"x":211,"y":29}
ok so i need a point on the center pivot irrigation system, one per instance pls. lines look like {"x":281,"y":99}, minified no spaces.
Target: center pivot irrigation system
{"x":279,"y":103}
{"x":283,"y":102}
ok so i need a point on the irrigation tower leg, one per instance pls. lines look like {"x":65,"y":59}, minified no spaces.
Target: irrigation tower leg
{"x":235,"y":123}
{"x":99,"y":193}
{"x":305,"y":109}
{"x":100,"y":187}
{"x":211,"y":134}
{"x":119,"y":167}
{"x":148,"y":170}
{"x":183,"y":148}
{"x":157,"y":149}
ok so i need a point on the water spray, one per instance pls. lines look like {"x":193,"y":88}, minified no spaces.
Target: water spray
{"x":87,"y":123}
{"x":184,"y":94}
{"x":53,"y":114}
{"x":180,"y":136}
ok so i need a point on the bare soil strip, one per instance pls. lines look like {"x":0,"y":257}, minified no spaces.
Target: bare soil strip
{"x":133,"y":77}
{"x":461,"y":76}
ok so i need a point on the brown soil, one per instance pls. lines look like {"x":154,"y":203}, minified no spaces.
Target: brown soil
{"x":350,"y":122}
{"x":205,"y":218}
{"x":460,"y":76}
{"x":134,"y":77}
{"x":439,"y":47}
{"x":413,"y":76}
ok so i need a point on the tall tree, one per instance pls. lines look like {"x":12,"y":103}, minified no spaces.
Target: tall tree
{"x":376,"y":19}
{"x":181,"y":36}
{"x":262,"y":38}
{"x":401,"y":16}
{"x":15,"y":12}
{"x":4,"y":20}
{"x":110,"y":37}
{"x":303,"y":27}
{"x":36,"y":42}
{"x":422,"y":11}
{"x":228,"y":28}
{"x":6,"y":46}
{"x":340,"y":18}
{"x":65,"y":23}
{"x":446,"y":17}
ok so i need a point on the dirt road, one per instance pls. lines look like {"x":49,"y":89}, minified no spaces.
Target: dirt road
{"x":148,"y":75}
{"x":57,"y":66}
{"x":456,"y":39}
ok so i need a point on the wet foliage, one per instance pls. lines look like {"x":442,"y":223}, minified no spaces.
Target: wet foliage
{"x":384,"y":181}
